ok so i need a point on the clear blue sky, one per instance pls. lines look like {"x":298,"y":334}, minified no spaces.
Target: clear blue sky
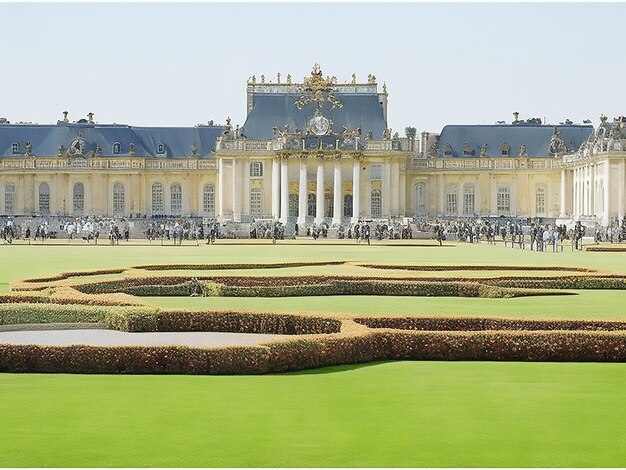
{"x":181,"y":64}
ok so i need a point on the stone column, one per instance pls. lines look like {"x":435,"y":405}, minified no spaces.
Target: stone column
{"x":302,"y":194}
{"x":219,"y":191}
{"x":337,"y":192}
{"x":606,"y":210}
{"x":275,"y":188}
{"x":563,"y":209}
{"x":356,"y":190}
{"x":620,"y":189}
{"x":236,"y":194}
{"x":386,"y":189}
{"x":319,"y":193}
{"x":284,"y":190}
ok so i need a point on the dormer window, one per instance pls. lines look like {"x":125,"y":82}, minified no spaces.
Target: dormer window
{"x":467,"y":149}
{"x":256,"y":169}
{"x":160,"y":149}
{"x":117,"y":148}
{"x":505,"y":149}
{"x":15,"y":148}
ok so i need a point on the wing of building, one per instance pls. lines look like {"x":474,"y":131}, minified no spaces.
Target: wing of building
{"x":311,"y":152}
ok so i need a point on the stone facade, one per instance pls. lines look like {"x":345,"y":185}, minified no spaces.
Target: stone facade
{"x":318,"y":163}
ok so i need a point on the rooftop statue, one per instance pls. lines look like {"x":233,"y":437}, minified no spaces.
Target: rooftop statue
{"x":483,"y":150}
{"x":29,"y":149}
{"x":131,"y":150}
{"x":354,"y":78}
{"x":194,"y":149}
{"x":289,"y":79}
{"x":278,"y":77}
{"x":522,"y":150}
{"x":557,"y":144}
{"x":316,"y":89}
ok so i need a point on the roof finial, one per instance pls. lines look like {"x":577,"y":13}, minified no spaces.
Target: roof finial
{"x":90,"y":118}
{"x":385,"y":88}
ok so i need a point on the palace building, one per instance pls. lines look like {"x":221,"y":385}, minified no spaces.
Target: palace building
{"x":312,"y":152}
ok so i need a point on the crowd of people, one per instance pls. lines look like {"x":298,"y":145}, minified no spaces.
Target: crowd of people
{"x":532,"y":234}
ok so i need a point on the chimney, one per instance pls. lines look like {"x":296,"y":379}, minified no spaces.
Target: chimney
{"x":90,"y":118}
{"x":65,"y":113}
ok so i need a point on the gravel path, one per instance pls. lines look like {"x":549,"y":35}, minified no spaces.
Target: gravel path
{"x":102,"y":337}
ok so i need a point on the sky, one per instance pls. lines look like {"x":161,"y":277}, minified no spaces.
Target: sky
{"x":180,"y":64}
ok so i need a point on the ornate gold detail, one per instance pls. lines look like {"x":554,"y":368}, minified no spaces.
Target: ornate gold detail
{"x":328,"y":187}
{"x":376,"y":185}
{"x":311,"y":186}
{"x":316,"y":89}
{"x":346,"y":187}
{"x":294,"y":187}
{"x":256,"y":183}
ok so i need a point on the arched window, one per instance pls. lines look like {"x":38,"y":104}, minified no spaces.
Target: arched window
{"x":540,"y":200}
{"x":208,"y":199}
{"x":256,"y":207}
{"x":117,"y":148}
{"x":503,"y":200}
{"x":376,"y":203}
{"x":158,"y":202}
{"x":15,"y":148}
{"x":469,"y":207}
{"x":451,"y":199}
{"x":9,"y":198}
{"x":44,"y":198}
{"x":293,"y":205}
{"x":176,"y":199}
{"x":78,"y":198}
{"x":347,"y":205}
{"x":119,"y":199}
{"x":311,"y":205}
{"x":420,"y":199}
{"x":256,"y":169}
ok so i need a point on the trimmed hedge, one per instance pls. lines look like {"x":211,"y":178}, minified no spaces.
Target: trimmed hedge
{"x":483,"y":324}
{"x":618,"y":249}
{"x":333,"y":350}
{"x":207,"y":267}
{"x":616,"y":282}
{"x":151,"y":319}
{"x":14,"y":314}
{"x":62,"y":276}
{"x":469,"y":267}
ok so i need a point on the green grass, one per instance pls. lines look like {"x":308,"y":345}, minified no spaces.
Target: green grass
{"x":411,"y":414}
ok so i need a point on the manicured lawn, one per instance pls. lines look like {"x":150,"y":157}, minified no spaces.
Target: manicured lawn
{"x":408,"y":414}
{"x":414,"y":414}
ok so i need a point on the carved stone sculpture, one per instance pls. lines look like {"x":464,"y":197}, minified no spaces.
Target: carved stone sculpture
{"x":483,"y":150}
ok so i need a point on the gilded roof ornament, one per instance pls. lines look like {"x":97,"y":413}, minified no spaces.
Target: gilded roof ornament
{"x":316,"y":89}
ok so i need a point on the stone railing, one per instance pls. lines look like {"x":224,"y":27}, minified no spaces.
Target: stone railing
{"x":596,"y":148}
{"x":485,"y":163}
{"x":56,"y":164}
{"x":244,"y":145}
{"x":378,"y":146}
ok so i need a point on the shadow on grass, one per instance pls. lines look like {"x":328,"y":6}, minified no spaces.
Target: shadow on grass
{"x":335,"y":369}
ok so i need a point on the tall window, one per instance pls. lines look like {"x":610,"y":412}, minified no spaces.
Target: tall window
{"x":451,"y":202}
{"x":176,"y":198}
{"x":15,"y":148}
{"x":540,"y":201}
{"x":44,"y":198}
{"x":504,"y":200}
{"x":9,"y":198}
{"x":376,"y":203}
{"x":293,"y":205}
{"x":208,"y":199}
{"x":78,"y":198}
{"x":256,"y":208}
{"x":311,"y":204}
{"x":117,"y":148}
{"x":347,"y":205}
{"x":328,"y":205}
{"x":119,"y":199}
{"x":376,"y":172}
{"x":256,"y":169}
{"x":420,"y":199}
{"x":158,"y":202}
{"x":469,"y":207}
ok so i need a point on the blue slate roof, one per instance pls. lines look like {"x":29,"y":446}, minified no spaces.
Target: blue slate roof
{"x":277,"y":110}
{"x":47,"y":138}
{"x":536,"y":137}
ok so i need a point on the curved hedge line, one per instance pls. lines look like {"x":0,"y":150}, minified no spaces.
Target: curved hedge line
{"x":302,"y":354}
{"x":14,"y":314}
{"x":207,"y":267}
{"x":469,"y":267}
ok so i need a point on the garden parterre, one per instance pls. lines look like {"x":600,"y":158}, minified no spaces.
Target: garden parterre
{"x":392,"y":414}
